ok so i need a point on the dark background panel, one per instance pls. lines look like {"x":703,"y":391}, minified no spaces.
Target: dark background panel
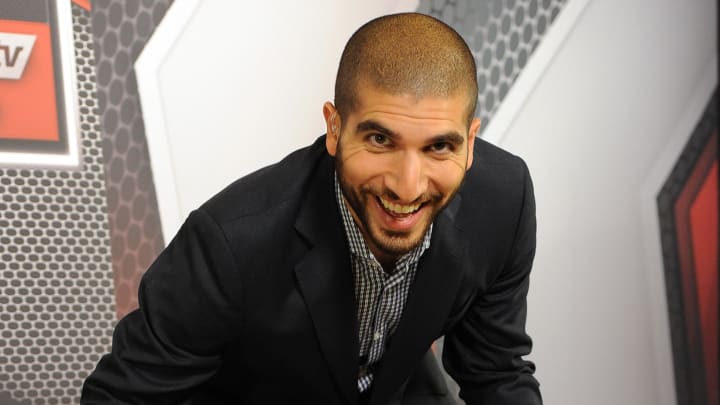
{"x":683,"y":184}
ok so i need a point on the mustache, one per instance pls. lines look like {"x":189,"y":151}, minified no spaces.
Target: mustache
{"x":390,"y":195}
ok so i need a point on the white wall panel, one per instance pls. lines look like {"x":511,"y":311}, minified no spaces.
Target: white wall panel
{"x":592,"y":132}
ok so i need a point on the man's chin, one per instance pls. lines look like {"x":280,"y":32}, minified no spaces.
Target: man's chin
{"x":398,"y":243}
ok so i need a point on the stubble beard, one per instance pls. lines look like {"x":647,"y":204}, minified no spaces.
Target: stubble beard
{"x":391,"y":243}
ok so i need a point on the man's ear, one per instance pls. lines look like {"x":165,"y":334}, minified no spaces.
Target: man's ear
{"x":472,"y":133}
{"x":332,"y":127}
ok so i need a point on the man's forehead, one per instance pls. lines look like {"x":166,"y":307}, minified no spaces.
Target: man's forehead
{"x":370,"y":98}
{"x":367,"y":93}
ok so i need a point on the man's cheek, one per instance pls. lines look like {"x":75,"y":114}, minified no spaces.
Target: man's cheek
{"x":461,"y":162}
{"x":352,"y":151}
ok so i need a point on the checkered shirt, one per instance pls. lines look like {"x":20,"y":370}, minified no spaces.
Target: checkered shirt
{"x":380,"y":296}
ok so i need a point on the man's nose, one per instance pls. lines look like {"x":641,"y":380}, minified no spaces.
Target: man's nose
{"x":408,"y":181}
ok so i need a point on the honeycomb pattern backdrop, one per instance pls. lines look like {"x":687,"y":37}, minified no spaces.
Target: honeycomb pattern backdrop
{"x":502,"y":35}
{"x":56,"y":287}
{"x":121,"y":29}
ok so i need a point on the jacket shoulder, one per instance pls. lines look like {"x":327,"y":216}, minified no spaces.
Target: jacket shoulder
{"x":495,"y":172}
{"x":486,"y":153}
{"x":497,"y":191}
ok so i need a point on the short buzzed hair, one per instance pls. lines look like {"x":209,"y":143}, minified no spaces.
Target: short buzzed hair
{"x":406,"y":53}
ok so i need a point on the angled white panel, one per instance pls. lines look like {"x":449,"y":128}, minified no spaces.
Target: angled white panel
{"x":146,"y":71}
{"x":619,"y":97}
{"x":228,"y":87}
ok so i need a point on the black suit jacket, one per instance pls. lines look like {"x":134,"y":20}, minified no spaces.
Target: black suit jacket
{"x":252,"y":302}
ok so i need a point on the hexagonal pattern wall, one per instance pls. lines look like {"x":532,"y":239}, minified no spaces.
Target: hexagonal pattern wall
{"x":122,"y":28}
{"x":56,"y":286}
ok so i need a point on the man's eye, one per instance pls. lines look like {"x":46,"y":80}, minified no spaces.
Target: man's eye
{"x":441,"y":147}
{"x":379,"y":139}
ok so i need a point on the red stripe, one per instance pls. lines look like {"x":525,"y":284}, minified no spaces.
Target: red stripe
{"x":696,"y":337}
{"x":704,"y":232}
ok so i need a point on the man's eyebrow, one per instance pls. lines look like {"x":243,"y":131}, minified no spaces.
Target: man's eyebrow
{"x":450,"y":137}
{"x":371,"y":125}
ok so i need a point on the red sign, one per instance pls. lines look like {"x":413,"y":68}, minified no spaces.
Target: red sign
{"x":28,"y":103}
{"x":35,"y":55}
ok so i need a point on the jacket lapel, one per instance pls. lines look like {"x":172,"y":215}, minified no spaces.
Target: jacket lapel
{"x":438,"y":278}
{"x":325,"y":279}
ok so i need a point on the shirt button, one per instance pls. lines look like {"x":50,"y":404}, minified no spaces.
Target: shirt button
{"x":377,"y":335}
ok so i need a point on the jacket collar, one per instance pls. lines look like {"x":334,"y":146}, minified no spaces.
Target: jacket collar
{"x":325,"y":279}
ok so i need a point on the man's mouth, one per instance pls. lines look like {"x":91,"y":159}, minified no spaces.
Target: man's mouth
{"x":399,"y":210}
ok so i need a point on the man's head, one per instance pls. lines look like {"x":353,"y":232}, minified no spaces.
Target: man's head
{"x":402,"y":131}
{"x":406,"y":53}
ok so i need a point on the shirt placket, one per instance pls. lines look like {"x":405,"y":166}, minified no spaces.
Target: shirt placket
{"x":382,"y":316}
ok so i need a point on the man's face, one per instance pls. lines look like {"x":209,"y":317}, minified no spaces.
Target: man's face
{"x":399,"y":161}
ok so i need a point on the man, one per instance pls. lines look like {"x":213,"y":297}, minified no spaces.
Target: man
{"x":325,"y":278}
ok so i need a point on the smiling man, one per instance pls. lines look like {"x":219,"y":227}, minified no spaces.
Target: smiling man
{"x":326,"y":278}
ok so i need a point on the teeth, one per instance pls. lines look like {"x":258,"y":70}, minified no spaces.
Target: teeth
{"x":399,"y":208}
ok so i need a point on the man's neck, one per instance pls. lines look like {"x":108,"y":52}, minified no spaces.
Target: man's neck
{"x":386,"y":261}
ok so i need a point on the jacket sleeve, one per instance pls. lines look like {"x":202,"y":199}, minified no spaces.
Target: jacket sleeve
{"x":483,"y":352}
{"x":187,"y":314}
